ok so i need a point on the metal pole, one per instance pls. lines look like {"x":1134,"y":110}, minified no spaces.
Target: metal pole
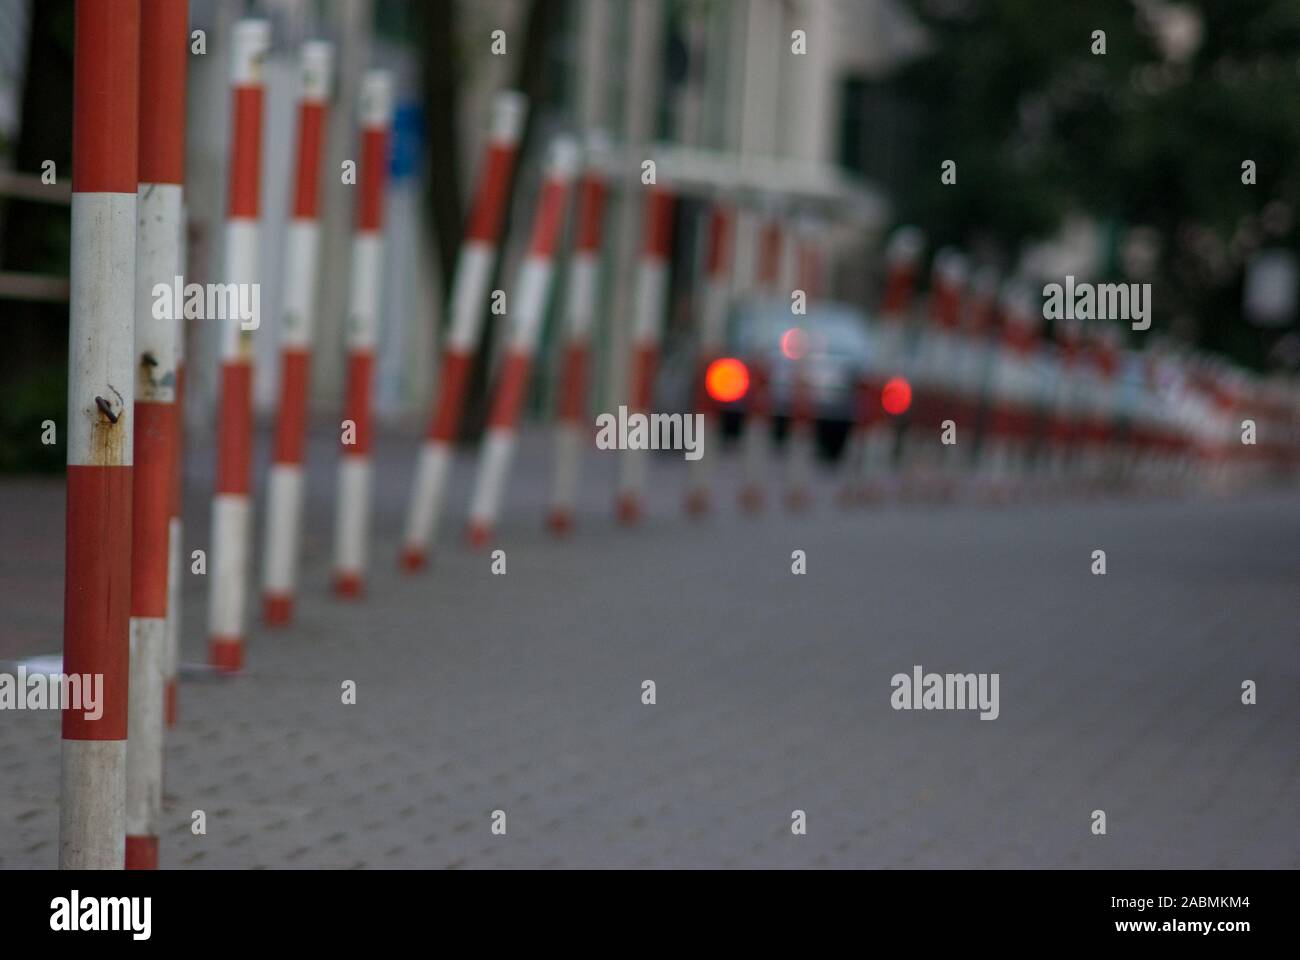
{"x":352,"y":520}
{"x":232,"y":505}
{"x":101,"y":382}
{"x":532,"y":293}
{"x":469,"y":289}
{"x":164,"y":37}
{"x":297,"y":326}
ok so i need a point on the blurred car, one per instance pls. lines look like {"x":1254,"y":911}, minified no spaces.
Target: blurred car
{"x":834,"y":344}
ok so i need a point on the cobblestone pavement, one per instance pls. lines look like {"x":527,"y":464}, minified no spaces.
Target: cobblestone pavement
{"x":523,"y":692}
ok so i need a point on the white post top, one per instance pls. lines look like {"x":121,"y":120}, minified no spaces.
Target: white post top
{"x":316,"y":64}
{"x":905,"y":245}
{"x":377,"y":98}
{"x":249,"y":40}
{"x":950,"y":267}
{"x":509,"y":108}
{"x":562,"y":158}
{"x":597,"y":150}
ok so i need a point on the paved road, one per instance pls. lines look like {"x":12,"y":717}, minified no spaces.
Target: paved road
{"x":522,"y":692}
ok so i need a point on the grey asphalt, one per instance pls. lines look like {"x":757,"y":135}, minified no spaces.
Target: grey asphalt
{"x":522,"y":692}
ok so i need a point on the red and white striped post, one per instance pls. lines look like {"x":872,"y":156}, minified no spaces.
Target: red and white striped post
{"x":802,"y":414}
{"x":873,"y":433}
{"x":757,"y":435}
{"x":1062,"y":431}
{"x":101,"y":383}
{"x":571,"y":433}
{"x":526,"y":329}
{"x":1102,"y":353}
{"x":469,"y":289}
{"x":297,"y":321}
{"x":648,"y":319}
{"x":927,"y":461}
{"x":232,"y":504}
{"x":713,"y":323}
{"x":164,"y":37}
{"x":175,"y":529}
{"x":976,"y":343}
{"x":352,"y":517}
{"x":1012,"y":395}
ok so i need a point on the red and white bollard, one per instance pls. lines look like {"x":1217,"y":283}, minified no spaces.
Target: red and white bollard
{"x":1062,"y":430}
{"x":756,"y":436}
{"x":1014,"y":394}
{"x":164,"y":36}
{"x":297,"y":321}
{"x":571,"y":431}
{"x":525,"y":331}
{"x":978,"y":337}
{"x":648,"y":318}
{"x":469,"y":290}
{"x":713,"y":323}
{"x":352,"y":519}
{"x":802,"y":412}
{"x":1101,"y":355}
{"x":101,"y":383}
{"x":929,"y":463}
{"x":232,"y":505}
{"x":871,"y":443}
{"x":176,"y":559}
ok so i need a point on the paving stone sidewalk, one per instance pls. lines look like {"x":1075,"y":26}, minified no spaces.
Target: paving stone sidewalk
{"x":522,"y":692}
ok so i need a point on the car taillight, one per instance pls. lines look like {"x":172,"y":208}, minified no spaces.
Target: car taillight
{"x":726,"y":380}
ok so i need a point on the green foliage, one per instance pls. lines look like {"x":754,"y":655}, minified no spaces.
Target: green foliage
{"x":1040,"y":126}
{"x":36,"y":398}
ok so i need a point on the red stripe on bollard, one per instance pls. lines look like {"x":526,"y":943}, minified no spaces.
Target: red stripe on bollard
{"x":311,"y":132}
{"x":374,"y":177}
{"x":454,"y":380}
{"x":155,"y":431}
{"x":573,"y":383}
{"x":356,"y":404}
{"x":96,"y":604}
{"x":291,"y":420}
{"x":490,"y":203}
{"x":509,"y":394}
{"x":105,"y":84}
{"x":246,"y":154}
{"x":234,"y":429}
{"x":591,"y":212}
